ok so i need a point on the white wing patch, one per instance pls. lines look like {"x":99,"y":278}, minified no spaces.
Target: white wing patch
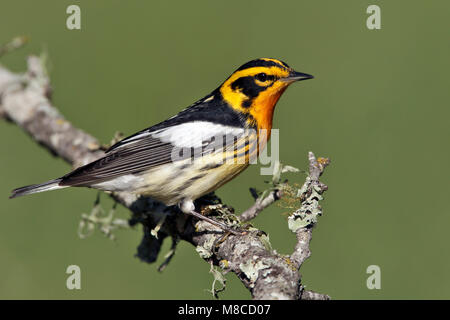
{"x":186,"y":135}
{"x":193,"y":134}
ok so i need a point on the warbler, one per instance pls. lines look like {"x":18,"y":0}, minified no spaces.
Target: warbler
{"x":196,"y":151}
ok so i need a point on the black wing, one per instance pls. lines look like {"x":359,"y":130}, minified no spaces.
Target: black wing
{"x":141,"y":155}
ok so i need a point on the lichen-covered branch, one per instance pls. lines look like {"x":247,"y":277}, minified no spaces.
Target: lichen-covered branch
{"x":303,"y":219}
{"x":25,"y":101}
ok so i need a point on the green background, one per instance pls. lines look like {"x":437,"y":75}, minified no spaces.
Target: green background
{"x":378,"y":108}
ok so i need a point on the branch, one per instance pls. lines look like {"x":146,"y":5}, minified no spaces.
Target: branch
{"x":269,"y":196}
{"x":260,"y":204}
{"x":25,"y":101}
{"x":311,"y":295}
{"x":304,"y":218}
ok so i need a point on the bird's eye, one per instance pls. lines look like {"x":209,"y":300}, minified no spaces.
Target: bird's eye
{"x":261,"y":77}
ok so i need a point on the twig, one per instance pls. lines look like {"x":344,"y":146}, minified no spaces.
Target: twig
{"x":12,"y":45}
{"x":269,"y":196}
{"x":260,"y":204}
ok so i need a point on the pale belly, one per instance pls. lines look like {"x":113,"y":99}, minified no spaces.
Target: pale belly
{"x":173,"y":182}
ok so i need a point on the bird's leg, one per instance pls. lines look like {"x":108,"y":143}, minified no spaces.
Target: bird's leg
{"x":218,"y":224}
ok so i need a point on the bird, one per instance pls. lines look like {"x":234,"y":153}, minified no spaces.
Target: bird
{"x":196,"y":151}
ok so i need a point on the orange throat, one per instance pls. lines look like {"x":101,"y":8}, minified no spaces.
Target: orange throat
{"x":262,"y":112}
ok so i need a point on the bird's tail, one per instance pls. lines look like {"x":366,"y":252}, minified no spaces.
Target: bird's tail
{"x":35,"y":188}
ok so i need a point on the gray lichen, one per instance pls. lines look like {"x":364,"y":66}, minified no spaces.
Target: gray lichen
{"x":218,"y":278}
{"x":251,"y":270}
{"x":309,"y":210}
{"x":205,"y":250}
{"x":106,"y":222}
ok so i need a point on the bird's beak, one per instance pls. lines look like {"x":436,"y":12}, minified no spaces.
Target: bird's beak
{"x":297,"y":76}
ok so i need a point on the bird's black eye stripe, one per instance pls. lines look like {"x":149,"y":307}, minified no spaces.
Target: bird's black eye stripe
{"x":263,"y":77}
